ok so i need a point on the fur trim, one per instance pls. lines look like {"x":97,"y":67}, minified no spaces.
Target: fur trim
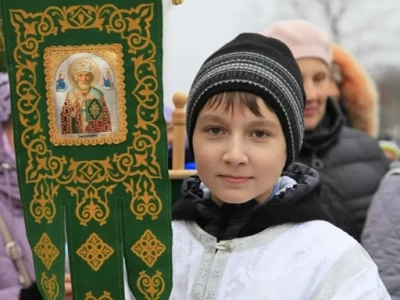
{"x":359,"y":93}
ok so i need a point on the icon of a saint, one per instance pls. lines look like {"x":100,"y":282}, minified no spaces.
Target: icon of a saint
{"x":84,"y":109}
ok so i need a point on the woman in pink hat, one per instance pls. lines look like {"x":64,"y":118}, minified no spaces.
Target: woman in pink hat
{"x":350,"y":162}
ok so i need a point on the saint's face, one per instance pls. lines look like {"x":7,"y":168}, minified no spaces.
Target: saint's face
{"x":84,"y":79}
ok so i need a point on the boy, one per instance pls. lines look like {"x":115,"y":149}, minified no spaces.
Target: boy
{"x":250,"y":226}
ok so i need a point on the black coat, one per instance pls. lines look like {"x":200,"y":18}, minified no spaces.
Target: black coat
{"x":351,"y":166}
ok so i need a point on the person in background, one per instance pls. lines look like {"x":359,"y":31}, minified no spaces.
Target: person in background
{"x":355,"y":91}
{"x":350,"y":162}
{"x":381,"y":234}
{"x":11,"y":210}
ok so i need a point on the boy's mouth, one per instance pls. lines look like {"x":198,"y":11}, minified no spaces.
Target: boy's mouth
{"x":235,"y":179}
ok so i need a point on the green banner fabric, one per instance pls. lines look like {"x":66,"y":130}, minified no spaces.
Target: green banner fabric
{"x":3,"y":65}
{"x":91,"y":147}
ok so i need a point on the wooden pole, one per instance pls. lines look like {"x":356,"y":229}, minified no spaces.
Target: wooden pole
{"x":179,"y":131}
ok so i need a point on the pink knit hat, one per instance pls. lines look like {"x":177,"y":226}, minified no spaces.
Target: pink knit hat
{"x":305,"y":39}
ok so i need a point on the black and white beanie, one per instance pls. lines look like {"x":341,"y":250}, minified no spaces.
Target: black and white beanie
{"x":259,"y":65}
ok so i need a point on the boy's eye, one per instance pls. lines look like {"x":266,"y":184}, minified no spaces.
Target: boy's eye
{"x":260,"y":134}
{"x":214,"y":130}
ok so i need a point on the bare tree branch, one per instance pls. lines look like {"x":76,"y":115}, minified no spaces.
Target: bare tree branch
{"x":336,"y":19}
{"x":333,"y":16}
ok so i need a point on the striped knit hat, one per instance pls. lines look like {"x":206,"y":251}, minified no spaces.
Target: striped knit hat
{"x":259,"y":65}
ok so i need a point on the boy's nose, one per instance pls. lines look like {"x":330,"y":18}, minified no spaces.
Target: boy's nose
{"x":235,"y":154}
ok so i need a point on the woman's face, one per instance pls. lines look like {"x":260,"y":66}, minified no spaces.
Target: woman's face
{"x":316,"y":81}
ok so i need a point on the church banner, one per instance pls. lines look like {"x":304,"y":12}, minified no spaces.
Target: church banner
{"x":91,"y":147}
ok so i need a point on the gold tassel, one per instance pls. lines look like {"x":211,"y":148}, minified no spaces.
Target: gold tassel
{"x":177,"y":2}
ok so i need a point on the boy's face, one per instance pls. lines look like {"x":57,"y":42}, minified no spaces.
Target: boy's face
{"x":239,"y":156}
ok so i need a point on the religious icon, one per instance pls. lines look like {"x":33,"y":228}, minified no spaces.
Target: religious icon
{"x":84,"y":109}
{"x":88,"y":103}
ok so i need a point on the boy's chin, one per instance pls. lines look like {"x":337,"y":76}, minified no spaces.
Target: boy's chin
{"x":233,"y":198}
{"x":237,"y":201}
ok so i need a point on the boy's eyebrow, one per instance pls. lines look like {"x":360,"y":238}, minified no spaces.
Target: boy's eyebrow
{"x":211,"y":118}
{"x":260,"y":122}
{"x":263,"y":122}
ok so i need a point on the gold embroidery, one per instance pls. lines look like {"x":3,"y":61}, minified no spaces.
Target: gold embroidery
{"x":86,"y":172}
{"x":90,"y":206}
{"x":86,"y":116}
{"x":95,"y":251}
{"x":139,"y":162}
{"x":148,"y":248}
{"x":151,"y":287}
{"x":50,"y":286}
{"x":137,"y":165}
{"x":144,"y":198}
{"x":42,"y":205}
{"x":105,"y":296}
{"x":95,"y":109}
{"x":46,"y":250}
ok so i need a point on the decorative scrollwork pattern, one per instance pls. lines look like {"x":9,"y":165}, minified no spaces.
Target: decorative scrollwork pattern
{"x":151,"y":287}
{"x":49,"y":172}
{"x":50,"y":286}
{"x":46,"y":250}
{"x":95,"y":251}
{"x":105,"y":296}
{"x":149,"y":248}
